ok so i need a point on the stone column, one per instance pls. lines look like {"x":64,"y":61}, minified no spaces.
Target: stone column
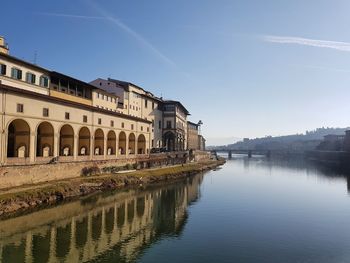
{"x":91,"y":147}
{"x":76,"y":146}
{"x":32,"y":152}
{"x":56,"y":145}
{"x":105,"y":147}
{"x":127,"y":146}
{"x":3,"y":147}
{"x":116,"y":146}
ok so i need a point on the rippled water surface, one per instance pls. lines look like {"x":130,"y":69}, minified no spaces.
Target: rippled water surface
{"x":251,"y":210}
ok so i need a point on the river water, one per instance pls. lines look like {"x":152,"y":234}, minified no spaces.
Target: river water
{"x":251,"y":210}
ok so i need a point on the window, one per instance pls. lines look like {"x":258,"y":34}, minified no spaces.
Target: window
{"x":2,"y":69}
{"x":168,"y":124}
{"x":122,"y":124}
{"x":45,"y":112}
{"x":20,"y":107}
{"x":44,"y":81}
{"x":30,"y":78}
{"x":147,"y":129}
{"x":66,"y":116}
{"x":16,"y":73}
{"x":84,"y":118}
{"x":152,"y":105}
{"x":141,"y":128}
{"x":160,"y":124}
{"x":98,"y":95}
{"x":132,"y":126}
{"x":146,"y":102}
{"x":152,"y":143}
{"x":112,"y":123}
{"x":99,"y":121}
{"x":152,"y":123}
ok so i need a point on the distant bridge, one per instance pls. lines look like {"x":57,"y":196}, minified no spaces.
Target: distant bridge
{"x":249,"y":153}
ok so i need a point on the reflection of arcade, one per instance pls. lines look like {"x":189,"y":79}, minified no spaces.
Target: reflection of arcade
{"x":83,"y":230}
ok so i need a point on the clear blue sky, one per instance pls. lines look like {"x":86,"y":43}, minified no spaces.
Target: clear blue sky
{"x":246,"y":68}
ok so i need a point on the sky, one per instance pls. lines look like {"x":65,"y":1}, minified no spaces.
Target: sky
{"x":246,"y":68}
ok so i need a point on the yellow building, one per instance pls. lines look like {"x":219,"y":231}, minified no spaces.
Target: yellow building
{"x":47,"y":116}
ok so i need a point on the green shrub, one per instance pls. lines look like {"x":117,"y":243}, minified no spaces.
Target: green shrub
{"x":91,"y":170}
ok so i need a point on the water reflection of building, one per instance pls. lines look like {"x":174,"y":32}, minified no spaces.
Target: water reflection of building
{"x":118,"y":226}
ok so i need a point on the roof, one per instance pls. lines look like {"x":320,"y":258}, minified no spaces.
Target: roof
{"x":61,"y":75}
{"x":192,"y":123}
{"x":178,"y":103}
{"x":125,"y":85}
{"x":23,"y":62}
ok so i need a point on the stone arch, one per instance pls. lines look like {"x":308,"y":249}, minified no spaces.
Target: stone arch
{"x":169,"y":141}
{"x":111,"y":143}
{"x":66,"y":140}
{"x":122,"y":143}
{"x":84,"y":141}
{"x":141,"y":144}
{"x":99,"y":142}
{"x":18,"y":140}
{"x":132,"y":143}
{"x":45,"y":139}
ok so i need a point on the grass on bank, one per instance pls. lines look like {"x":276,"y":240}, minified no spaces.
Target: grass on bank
{"x":50,"y":188}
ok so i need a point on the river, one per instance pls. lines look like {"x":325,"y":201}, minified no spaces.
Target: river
{"x":250,"y":210}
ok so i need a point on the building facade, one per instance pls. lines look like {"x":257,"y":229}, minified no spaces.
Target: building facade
{"x":48,"y":116}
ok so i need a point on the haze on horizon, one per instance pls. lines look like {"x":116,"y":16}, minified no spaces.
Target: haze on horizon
{"x":245,"y":68}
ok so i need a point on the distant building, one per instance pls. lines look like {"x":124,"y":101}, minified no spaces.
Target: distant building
{"x":347,"y":141}
{"x":201,"y":142}
{"x":192,"y":134}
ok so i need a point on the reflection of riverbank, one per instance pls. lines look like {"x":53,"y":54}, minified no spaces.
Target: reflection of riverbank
{"x":299,"y":164}
{"x":114,"y":226}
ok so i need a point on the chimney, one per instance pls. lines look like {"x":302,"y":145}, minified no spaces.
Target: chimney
{"x":4,"y":48}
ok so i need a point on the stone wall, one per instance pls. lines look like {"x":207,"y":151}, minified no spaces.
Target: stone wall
{"x":12,"y":176}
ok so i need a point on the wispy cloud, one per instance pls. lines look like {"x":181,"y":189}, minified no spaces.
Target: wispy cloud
{"x":326,"y":68}
{"x":341,"y":46}
{"x":71,"y":16}
{"x":104,"y":15}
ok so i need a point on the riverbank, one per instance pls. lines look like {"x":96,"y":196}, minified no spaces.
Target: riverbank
{"x":33,"y":196}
